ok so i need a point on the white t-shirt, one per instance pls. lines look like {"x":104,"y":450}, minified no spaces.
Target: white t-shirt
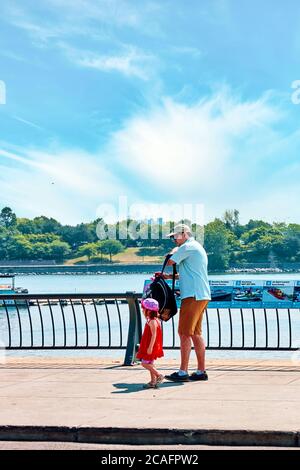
{"x":192,"y":263}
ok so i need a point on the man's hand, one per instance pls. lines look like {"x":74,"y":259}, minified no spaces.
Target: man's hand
{"x":165,"y":276}
{"x":159,"y":274}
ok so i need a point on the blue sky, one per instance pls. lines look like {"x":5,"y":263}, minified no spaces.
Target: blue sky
{"x":186,"y":102}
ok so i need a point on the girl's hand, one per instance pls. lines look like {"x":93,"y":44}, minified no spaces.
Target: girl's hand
{"x":149,"y":350}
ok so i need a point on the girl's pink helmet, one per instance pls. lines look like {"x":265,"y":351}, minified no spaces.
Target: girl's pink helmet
{"x":150,"y":304}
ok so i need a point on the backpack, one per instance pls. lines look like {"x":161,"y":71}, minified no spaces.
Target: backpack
{"x":163,"y":293}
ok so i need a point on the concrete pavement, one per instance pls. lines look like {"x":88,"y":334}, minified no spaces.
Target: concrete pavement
{"x":23,"y":445}
{"x":81,"y":400}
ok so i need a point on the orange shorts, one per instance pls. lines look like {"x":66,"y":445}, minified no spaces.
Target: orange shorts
{"x":191,"y":315}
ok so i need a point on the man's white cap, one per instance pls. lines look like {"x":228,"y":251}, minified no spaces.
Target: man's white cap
{"x":178,"y":229}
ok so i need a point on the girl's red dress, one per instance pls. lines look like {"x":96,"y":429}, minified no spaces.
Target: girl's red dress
{"x":157,"y":350}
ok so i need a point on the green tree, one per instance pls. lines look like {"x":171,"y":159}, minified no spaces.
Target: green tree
{"x":216,"y":243}
{"x":26,"y":226}
{"x":78,"y":235}
{"x":59,"y":250}
{"x":289,"y":249}
{"x":252,"y":224}
{"x":19,"y":247}
{"x":259,"y":232}
{"x":232,"y":221}
{"x":4,"y":240}
{"x":8,"y":218}
{"x":36,"y":246}
{"x":111,"y":247}
{"x":89,"y":250}
{"x":46,"y":225}
{"x":262,"y":244}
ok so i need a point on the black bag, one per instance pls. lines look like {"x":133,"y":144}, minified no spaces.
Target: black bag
{"x":163,"y":293}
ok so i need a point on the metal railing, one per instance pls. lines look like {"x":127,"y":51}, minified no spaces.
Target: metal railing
{"x":114,"y":322}
{"x":246,"y":329}
{"x":70,"y":321}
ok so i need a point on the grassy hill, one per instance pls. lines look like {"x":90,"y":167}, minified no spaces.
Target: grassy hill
{"x":129,"y":256}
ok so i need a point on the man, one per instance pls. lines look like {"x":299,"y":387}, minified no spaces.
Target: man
{"x":191,"y":259}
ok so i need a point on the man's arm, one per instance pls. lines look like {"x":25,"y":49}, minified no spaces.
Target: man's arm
{"x":170,"y":261}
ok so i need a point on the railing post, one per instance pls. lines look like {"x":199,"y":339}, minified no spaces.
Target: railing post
{"x":134,"y":329}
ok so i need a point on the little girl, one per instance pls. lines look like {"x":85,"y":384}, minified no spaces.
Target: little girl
{"x":151,"y":342}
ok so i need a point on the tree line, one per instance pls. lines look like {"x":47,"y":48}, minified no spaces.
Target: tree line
{"x":227,"y":242}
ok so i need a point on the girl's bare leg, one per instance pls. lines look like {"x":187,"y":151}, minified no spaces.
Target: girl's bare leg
{"x":153,"y":372}
{"x":150,"y":368}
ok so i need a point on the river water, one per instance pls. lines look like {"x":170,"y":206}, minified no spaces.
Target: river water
{"x":120,"y":283}
{"x":106,"y":283}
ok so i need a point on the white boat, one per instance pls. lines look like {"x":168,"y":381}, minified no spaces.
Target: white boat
{"x":7,"y":286}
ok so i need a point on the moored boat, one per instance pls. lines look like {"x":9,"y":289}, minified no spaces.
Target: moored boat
{"x":7,"y":286}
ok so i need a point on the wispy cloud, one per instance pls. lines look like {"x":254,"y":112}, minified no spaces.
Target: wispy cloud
{"x":112,"y":12}
{"x":180,"y":143}
{"x":66,"y":184}
{"x":28,"y":123}
{"x":214,"y":152}
{"x":221,"y":151}
{"x":130,"y":61}
{"x":98,"y":19}
{"x":87,"y":19}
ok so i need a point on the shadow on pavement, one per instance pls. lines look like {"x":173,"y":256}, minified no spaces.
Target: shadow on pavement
{"x":131,"y":387}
